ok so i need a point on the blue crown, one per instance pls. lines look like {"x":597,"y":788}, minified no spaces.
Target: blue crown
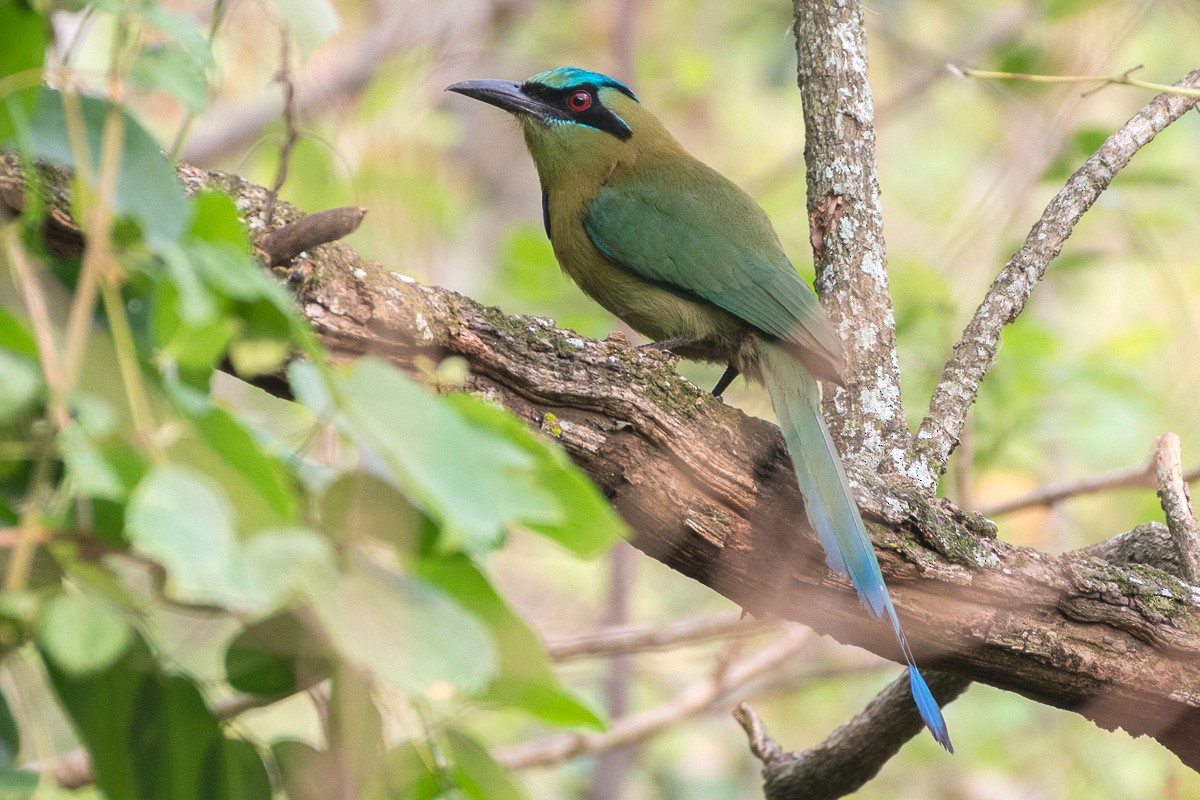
{"x":566,"y":77}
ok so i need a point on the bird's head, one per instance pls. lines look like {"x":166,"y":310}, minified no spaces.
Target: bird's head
{"x":567,"y":114}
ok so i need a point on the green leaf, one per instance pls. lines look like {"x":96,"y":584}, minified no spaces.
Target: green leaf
{"x":308,"y":773}
{"x":476,"y":773}
{"x":148,"y":190}
{"x":275,"y":566}
{"x":312,"y":22}
{"x":472,"y":774}
{"x":525,"y":679}
{"x":22,"y":382}
{"x":183,"y":30}
{"x":227,"y":436}
{"x":472,"y":481}
{"x":244,"y":775}
{"x":150,"y":736}
{"x":358,"y":505}
{"x":255,"y":671}
{"x":275,"y":656}
{"x":183,"y":520}
{"x":18,"y":784}
{"x":15,"y":337}
{"x":588,"y":525}
{"x":106,"y":470}
{"x":10,"y":737}
{"x":175,"y":71}
{"x":22,"y":47}
{"x":82,"y":634}
{"x":104,"y":706}
{"x":407,"y":773}
{"x":406,"y":632}
{"x":215,"y":219}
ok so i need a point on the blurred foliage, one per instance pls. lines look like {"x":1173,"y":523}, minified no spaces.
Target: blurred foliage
{"x":194,"y":537}
{"x":341,"y":553}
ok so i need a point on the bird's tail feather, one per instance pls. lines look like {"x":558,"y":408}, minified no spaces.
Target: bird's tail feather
{"x":830,"y":505}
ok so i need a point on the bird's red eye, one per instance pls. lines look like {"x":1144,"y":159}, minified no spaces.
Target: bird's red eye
{"x":579,"y":101}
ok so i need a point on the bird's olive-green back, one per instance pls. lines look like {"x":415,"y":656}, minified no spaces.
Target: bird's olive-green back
{"x":677,"y":227}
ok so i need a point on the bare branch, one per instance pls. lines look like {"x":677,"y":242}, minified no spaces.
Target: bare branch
{"x":283,"y":244}
{"x":639,"y":638}
{"x":854,"y":753}
{"x":1136,"y":478}
{"x":695,"y":699}
{"x":846,"y":228}
{"x":1177,"y":505}
{"x":972,"y":355}
{"x":284,"y":78}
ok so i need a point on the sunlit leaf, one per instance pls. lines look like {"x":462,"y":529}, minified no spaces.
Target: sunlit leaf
{"x":226,"y":435}
{"x":82,"y":635}
{"x":524,"y":679}
{"x":476,"y":772}
{"x":22,"y":47}
{"x":15,"y":337}
{"x":470,"y":774}
{"x":311,"y":22}
{"x":182,"y":519}
{"x":22,"y":382}
{"x":148,"y":190}
{"x":406,"y":632}
{"x":473,"y":481}
{"x":588,"y":525}
{"x":175,"y":71}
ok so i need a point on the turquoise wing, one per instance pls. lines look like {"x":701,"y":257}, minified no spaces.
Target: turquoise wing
{"x":698,"y":234}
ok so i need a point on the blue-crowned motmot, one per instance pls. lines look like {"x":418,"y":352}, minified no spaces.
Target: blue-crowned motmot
{"x":690,"y":260}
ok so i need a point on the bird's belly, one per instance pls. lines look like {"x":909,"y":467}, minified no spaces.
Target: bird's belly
{"x":650,"y":309}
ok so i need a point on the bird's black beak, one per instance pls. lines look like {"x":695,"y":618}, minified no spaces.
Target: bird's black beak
{"x":503,"y":94}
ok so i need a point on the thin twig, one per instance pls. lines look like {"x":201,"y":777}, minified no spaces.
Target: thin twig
{"x":639,"y":638}
{"x":43,"y":327}
{"x":694,"y":699}
{"x":1177,"y":505}
{"x":1121,"y":79}
{"x":1136,"y":478}
{"x":284,"y":78}
{"x":972,"y":355}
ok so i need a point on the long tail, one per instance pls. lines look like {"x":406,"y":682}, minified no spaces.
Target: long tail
{"x":831,"y":508}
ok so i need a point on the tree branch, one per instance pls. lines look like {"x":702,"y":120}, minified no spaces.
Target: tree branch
{"x":695,"y":699}
{"x":972,"y":355}
{"x":851,"y":755}
{"x":846,"y":229}
{"x":639,"y":638}
{"x":1136,"y":478}
{"x":710,"y":493}
{"x":1177,"y":505}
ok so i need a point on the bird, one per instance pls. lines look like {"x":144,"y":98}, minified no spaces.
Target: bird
{"x":692,"y":262}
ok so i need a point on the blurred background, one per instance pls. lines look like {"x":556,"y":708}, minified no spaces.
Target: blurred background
{"x":1103,"y":360}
